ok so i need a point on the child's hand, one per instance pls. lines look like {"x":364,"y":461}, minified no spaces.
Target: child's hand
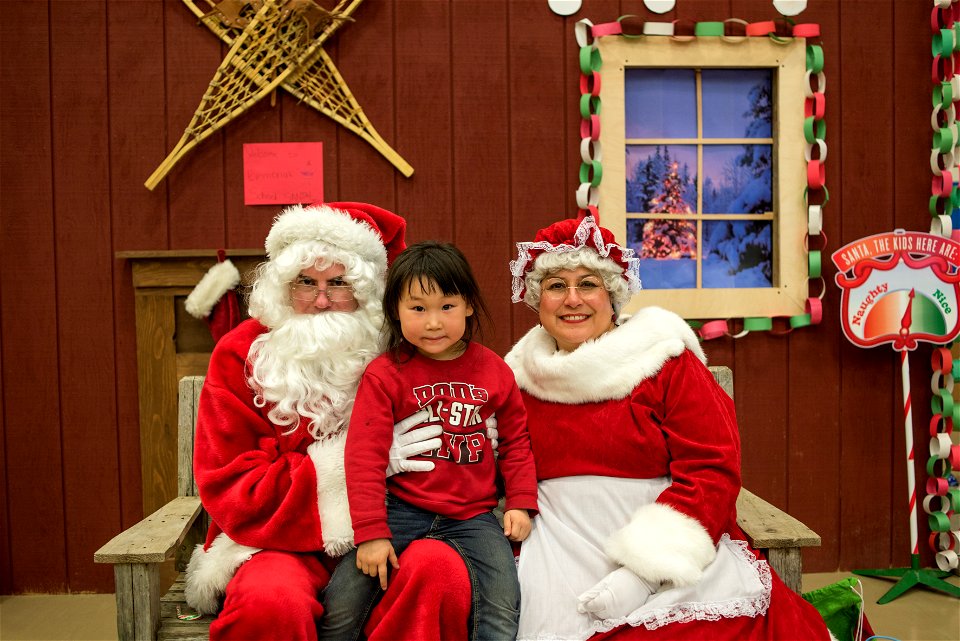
{"x":516,"y":524}
{"x":372,"y":557}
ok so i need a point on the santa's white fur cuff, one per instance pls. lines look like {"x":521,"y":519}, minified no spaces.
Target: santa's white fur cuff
{"x":209,"y":572}
{"x":337,"y":528}
{"x":662,"y":544}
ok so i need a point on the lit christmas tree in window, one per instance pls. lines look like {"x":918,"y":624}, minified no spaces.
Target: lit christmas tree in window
{"x":669,"y":238}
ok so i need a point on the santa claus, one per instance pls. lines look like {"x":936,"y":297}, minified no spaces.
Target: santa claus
{"x":273,"y":416}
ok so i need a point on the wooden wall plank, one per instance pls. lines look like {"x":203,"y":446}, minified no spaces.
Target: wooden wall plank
{"x":158,"y":423}
{"x":6,"y":551}
{"x":85,"y":336}
{"x":541,"y":47}
{"x":138,"y":217}
{"x":868,"y":377}
{"x":481,"y":147}
{"x":813,"y":439}
{"x":247,"y":226}
{"x":366,"y":62}
{"x":195,"y":186}
{"x":300,"y":123}
{"x":28,"y":315}
{"x":424,"y":132}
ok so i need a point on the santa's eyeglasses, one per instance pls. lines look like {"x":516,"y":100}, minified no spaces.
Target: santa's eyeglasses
{"x":308,"y":292}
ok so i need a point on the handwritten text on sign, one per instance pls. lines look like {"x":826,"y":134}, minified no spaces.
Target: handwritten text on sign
{"x":282,"y":173}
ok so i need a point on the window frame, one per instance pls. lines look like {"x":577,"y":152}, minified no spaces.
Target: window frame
{"x":787,"y":61}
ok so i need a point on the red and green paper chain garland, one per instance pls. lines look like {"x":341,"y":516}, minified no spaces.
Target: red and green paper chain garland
{"x":944,"y":196}
{"x":814,"y":129}
{"x":942,"y":503}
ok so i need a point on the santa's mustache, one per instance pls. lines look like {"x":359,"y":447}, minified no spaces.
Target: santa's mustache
{"x":309,"y":367}
{"x":305,"y":337}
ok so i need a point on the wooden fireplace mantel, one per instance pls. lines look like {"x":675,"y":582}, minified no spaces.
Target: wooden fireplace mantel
{"x":170,"y":344}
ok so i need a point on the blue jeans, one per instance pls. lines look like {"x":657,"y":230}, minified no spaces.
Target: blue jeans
{"x":351,"y":595}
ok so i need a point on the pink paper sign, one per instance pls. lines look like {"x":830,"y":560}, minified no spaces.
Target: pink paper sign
{"x":282,"y":173}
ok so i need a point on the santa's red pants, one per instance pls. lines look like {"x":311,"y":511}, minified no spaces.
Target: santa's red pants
{"x":276,"y":595}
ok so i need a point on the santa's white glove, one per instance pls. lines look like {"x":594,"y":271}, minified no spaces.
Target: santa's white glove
{"x":409,"y":442}
{"x":615,"y":596}
{"x":493,"y":434}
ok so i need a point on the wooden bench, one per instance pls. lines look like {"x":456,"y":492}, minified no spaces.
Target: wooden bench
{"x":173,"y":531}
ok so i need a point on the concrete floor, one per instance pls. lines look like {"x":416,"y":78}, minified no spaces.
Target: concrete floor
{"x":918,"y":615}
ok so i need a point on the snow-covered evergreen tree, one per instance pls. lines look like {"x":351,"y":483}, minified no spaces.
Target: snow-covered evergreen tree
{"x":743,"y":250}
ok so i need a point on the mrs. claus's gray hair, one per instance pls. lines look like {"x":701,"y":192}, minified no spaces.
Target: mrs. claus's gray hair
{"x":549,"y":263}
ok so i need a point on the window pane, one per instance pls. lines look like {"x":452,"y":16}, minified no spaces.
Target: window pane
{"x":737,"y":253}
{"x":737,"y":179}
{"x":737,"y":103}
{"x":667,"y":250}
{"x":661,"y":178}
{"x":660,"y":103}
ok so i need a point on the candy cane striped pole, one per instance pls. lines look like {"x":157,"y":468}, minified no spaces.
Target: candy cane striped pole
{"x":908,"y":433}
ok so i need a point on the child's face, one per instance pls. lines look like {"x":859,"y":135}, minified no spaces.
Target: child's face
{"x":431,"y":321}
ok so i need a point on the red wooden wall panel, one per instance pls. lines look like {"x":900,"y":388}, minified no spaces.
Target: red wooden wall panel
{"x":28,"y":316}
{"x":84,"y":314}
{"x":481,"y":143}
{"x":867,"y":376}
{"x":537,"y":162}
{"x":246,"y":226}
{"x":481,"y":98}
{"x":366,"y":61}
{"x":136,"y":110}
{"x":813,"y":406}
{"x":194,"y":189}
{"x":423,"y":134}
{"x":6,"y":552}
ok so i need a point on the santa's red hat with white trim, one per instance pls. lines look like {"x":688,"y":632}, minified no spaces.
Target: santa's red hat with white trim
{"x":373,"y":233}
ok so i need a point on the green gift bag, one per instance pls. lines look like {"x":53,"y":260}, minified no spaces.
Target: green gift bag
{"x":841,"y":607}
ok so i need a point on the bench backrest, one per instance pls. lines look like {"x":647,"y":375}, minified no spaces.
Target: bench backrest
{"x":190,"y":395}
{"x":187,"y":422}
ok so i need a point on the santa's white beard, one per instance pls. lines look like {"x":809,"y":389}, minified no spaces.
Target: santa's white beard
{"x":309,"y":366}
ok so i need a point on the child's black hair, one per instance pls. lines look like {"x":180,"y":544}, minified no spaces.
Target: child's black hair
{"x":433,"y":265}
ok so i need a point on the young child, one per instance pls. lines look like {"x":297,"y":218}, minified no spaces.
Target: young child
{"x":432,"y":303}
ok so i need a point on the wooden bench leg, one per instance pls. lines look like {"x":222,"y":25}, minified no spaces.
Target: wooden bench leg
{"x":138,"y":601}
{"x":787,"y":563}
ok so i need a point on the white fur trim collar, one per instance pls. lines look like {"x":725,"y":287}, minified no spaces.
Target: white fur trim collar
{"x":210,"y":570}
{"x":609,"y":367}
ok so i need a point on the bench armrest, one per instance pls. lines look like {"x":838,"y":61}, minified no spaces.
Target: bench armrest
{"x":155,"y":538}
{"x":779,"y":535}
{"x":768,"y":527}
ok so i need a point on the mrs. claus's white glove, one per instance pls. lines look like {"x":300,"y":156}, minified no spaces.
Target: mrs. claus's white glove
{"x":615,"y":595}
{"x":409,"y":442}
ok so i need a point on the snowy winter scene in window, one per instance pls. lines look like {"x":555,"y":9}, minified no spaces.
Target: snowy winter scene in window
{"x":699,"y":186}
